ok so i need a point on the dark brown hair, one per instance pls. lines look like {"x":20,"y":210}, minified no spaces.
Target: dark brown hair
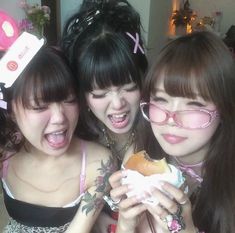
{"x":47,"y":78}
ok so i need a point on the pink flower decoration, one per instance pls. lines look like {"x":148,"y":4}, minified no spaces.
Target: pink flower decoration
{"x":9,"y":30}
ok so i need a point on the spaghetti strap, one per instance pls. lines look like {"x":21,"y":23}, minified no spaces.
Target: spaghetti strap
{"x":83,"y":168}
{"x":5,"y":164}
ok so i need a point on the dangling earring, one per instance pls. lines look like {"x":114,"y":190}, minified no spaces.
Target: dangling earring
{"x":88,"y":109}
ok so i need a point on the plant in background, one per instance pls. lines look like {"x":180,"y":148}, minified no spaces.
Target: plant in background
{"x":36,"y":18}
{"x":183,"y":16}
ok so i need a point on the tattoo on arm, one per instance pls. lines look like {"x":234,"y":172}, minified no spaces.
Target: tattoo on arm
{"x":94,"y":203}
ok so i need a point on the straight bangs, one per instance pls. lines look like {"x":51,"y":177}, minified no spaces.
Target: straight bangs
{"x":193,"y":66}
{"x":183,"y":80}
{"x":108,"y":62}
{"x":47,"y":79}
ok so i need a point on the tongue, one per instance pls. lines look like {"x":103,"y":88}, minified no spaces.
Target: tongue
{"x":117,"y":119}
{"x":55,"y":138}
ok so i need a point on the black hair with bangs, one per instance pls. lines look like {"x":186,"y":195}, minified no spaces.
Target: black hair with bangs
{"x":47,"y":78}
{"x":107,"y":61}
{"x":101,"y":52}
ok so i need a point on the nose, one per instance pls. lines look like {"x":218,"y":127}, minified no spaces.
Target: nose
{"x":171,"y":119}
{"x":57,"y":114}
{"x":118,"y":101}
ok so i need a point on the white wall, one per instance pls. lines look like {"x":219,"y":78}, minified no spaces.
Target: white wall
{"x":13,"y":7}
{"x":207,"y":7}
{"x":154,"y":14}
{"x":155,"y":18}
{"x":68,"y":7}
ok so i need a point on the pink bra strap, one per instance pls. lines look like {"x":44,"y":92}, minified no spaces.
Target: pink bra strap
{"x":5,"y":164}
{"x":83,"y":169}
{"x":3,"y":173}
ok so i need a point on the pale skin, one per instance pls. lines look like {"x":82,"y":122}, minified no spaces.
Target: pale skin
{"x":121,"y":104}
{"x":115,"y":107}
{"x":41,"y":167}
{"x":132,"y":218}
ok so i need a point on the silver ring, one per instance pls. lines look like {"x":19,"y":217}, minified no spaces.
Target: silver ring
{"x":183,"y":202}
{"x":112,"y":204}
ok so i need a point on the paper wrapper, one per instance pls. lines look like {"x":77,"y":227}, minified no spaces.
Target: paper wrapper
{"x":142,"y":184}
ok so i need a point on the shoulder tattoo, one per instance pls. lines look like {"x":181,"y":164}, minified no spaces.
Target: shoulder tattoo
{"x":94,"y":203}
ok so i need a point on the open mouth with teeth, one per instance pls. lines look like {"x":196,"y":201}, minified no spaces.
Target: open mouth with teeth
{"x":57,"y":139}
{"x":119,"y":120}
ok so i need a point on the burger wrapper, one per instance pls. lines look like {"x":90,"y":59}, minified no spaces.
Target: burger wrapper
{"x":142,"y":184}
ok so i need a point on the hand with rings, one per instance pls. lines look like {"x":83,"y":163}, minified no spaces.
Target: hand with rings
{"x":129,"y":208}
{"x":172,"y":214}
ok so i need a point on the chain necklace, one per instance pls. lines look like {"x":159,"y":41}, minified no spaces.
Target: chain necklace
{"x":111,"y":143}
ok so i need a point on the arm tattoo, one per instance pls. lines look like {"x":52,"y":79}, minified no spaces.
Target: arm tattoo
{"x":102,"y":186}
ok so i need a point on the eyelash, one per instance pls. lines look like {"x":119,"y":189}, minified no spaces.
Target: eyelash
{"x":99,"y":96}
{"x":70,"y":101}
{"x":157,"y":99}
{"x":131,"y":88}
{"x":191,"y":103}
{"x":195,"y":103}
{"x":39,"y":108}
{"x":95,"y":96}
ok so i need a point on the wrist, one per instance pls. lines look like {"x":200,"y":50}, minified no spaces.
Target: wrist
{"x":125,"y":227}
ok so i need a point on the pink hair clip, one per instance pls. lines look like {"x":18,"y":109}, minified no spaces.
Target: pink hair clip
{"x":136,"y":40}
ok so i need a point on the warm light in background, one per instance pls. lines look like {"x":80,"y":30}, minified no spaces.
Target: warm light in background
{"x":175,"y":6}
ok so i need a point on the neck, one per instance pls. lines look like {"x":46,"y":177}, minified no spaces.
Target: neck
{"x":119,"y":143}
{"x":193,"y":158}
{"x":119,"y":138}
{"x":195,"y":164}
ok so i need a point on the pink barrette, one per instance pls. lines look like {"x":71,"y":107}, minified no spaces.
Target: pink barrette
{"x":136,"y":40}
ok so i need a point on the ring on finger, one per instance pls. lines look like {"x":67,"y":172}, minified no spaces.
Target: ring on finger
{"x":183,"y":202}
{"x":175,"y":222}
{"x":112,"y":204}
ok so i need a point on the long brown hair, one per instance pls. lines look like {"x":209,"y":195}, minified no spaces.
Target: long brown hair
{"x":201,"y":60}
